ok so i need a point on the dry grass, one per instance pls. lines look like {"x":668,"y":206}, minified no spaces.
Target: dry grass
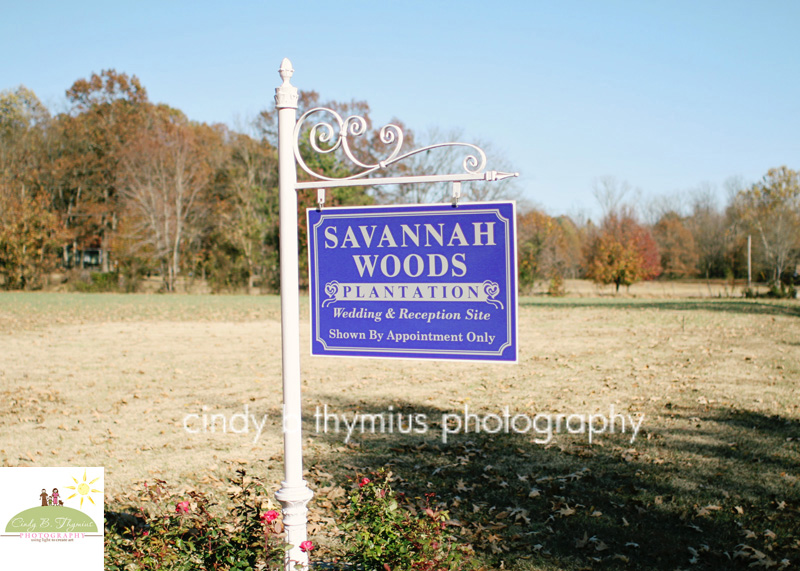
{"x":108,"y":380}
{"x":657,"y":289}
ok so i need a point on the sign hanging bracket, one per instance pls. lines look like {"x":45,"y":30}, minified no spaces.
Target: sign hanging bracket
{"x":456,"y":193}
{"x":320,"y":198}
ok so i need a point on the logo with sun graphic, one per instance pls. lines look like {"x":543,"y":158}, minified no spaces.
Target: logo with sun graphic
{"x":49,"y":511}
{"x":83,"y":489}
{"x":51,"y":517}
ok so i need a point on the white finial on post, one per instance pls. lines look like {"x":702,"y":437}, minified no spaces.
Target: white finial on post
{"x":286,"y":70}
{"x":294,"y":493}
{"x":286,"y":94}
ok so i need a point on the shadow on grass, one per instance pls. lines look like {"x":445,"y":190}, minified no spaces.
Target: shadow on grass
{"x":788,"y":308}
{"x":707,"y":496}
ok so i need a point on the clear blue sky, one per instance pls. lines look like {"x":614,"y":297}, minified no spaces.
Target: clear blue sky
{"x":665,"y":95}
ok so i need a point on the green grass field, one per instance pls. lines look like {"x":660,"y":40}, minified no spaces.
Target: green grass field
{"x":711,"y":481}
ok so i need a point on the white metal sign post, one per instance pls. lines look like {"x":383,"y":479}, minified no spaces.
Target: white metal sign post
{"x":295,"y":494}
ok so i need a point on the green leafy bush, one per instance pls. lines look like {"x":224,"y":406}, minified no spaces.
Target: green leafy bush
{"x":556,"y":287}
{"x":98,"y":282}
{"x":782,"y":291}
{"x":386,"y":530}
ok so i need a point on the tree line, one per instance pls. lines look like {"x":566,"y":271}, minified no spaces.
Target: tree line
{"x":119,"y":188}
{"x":685,"y":236}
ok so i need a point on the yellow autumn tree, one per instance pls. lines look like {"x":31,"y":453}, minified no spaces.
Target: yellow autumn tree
{"x":771,"y":208}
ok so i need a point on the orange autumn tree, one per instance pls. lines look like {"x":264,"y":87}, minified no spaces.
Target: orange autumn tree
{"x":679,"y":256}
{"x":30,"y":234}
{"x":107,"y":110}
{"x":29,"y":229}
{"x":622,"y":252}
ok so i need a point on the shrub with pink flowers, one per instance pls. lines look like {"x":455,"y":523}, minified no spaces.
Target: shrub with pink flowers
{"x":164,"y":529}
{"x":176,"y":531}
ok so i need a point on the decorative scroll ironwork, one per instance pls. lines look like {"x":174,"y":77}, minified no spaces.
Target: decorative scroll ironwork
{"x":327,"y":137}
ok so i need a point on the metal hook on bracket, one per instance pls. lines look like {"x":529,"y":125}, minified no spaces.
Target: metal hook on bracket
{"x":320,"y":198}
{"x":456,"y":193}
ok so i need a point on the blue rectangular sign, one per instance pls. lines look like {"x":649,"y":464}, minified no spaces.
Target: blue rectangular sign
{"x":421,"y":282}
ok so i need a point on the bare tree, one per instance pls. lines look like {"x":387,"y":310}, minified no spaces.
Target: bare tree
{"x":657,"y":207}
{"x":450,"y":160}
{"x":709,"y":227}
{"x":163,"y":175}
{"x":610,"y":194}
{"x":252,"y":172}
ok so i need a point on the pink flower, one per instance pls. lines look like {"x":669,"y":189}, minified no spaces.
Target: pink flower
{"x":364,"y":482}
{"x":182,"y":507}
{"x":306,"y":546}
{"x":145,"y":533}
{"x":269,"y":516}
